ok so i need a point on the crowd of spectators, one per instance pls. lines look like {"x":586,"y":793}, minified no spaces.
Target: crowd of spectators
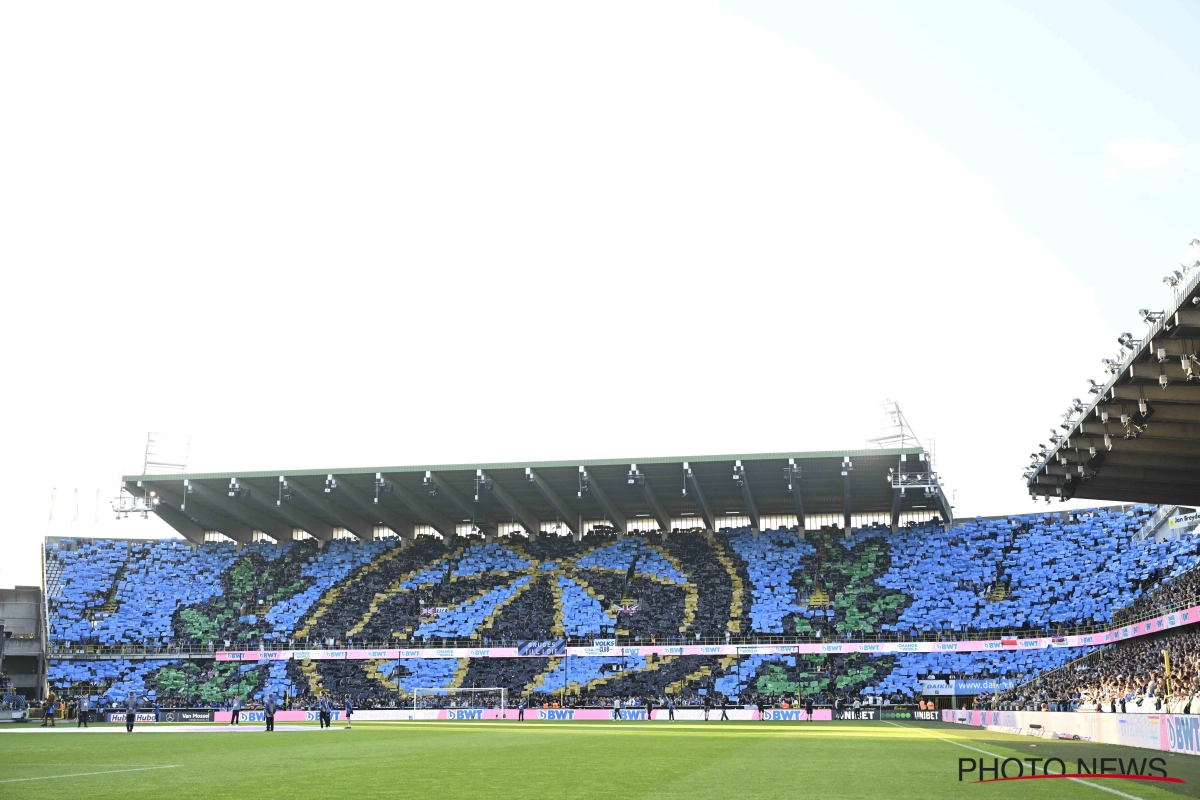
{"x":734,"y":587}
{"x":1127,"y":678}
{"x":1182,"y":592}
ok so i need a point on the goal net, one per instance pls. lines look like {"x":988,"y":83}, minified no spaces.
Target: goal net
{"x":481,"y":697}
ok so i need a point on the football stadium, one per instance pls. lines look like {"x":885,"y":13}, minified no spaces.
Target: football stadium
{"x":682,"y":626}
{"x":660,"y":257}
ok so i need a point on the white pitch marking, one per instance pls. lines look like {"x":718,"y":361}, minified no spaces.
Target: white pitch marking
{"x":84,"y":774}
{"x":997,"y":755}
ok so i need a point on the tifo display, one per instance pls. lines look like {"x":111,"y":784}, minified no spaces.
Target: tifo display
{"x":735,"y":615}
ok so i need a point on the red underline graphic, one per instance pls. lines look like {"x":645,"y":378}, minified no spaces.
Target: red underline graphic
{"x":1089,"y":776}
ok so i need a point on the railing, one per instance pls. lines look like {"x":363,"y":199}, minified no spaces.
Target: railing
{"x":1152,"y":524}
{"x":1091,"y":655}
{"x":209,"y":649}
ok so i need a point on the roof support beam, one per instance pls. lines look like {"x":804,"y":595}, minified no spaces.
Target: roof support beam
{"x":431,"y":516}
{"x":1087,"y":441}
{"x":739,"y":476}
{"x":438,"y":486}
{"x":1071,"y":458}
{"x":793,"y":478}
{"x":1163,"y":412}
{"x":298,"y":518}
{"x":701,"y":501}
{"x":943,"y":504}
{"x":371,"y":508}
{"x":356,"y":525}
{"x":257,"y":520}
{"x":1133,"y":496}
{"x":1171,"y":394}
{"x":1154,"y":429}
{"x":897,"y":497}
{"x":177,"y":520}
{"x":638,"y":478}
{"x":592,"y":487}
{"x":213,"y":520}
{"x":568,"y":515}
{"x":484,"y":483}
{"x":847,"y":499}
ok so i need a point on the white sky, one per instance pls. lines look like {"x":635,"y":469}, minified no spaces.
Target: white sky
{"x":321,"y":235}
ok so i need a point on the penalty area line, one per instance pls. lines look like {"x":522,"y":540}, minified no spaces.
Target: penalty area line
{"x":1108,"y":789}
{"x":86,"y":774}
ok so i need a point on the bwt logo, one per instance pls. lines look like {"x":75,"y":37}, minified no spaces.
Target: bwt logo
{"x":785,"y":714}
{"x":557,"y":713}
{"x":410,"y":653}
{"x":465,"y":713}
{"x":1029,"y":643}
{"x":947,"y":645}
{"x":673,"y":651}
{"x":993,"y":645}
{"x":868,"y":648}
{"x":479,"y":652}
{"x":831,"y":648}
{"x":1086,"y":639}
{"x":377,"y":654}
{"x":1184,"y":734}
{"x":633,"y":714}
{"x":268,"y":655}
{"x":714,"y":650}
{"x":235,"y":656}
{"x":251,"y":716}
{"x":315,"y":716}
{"x":335,"y":653}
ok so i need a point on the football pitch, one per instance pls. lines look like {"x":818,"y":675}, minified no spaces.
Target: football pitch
{"x":507,"y":759}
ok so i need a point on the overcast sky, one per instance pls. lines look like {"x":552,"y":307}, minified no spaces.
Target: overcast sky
{"x":326,"y":235}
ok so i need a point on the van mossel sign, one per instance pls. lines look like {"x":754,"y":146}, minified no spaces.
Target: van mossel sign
{"x":1175,"y":619}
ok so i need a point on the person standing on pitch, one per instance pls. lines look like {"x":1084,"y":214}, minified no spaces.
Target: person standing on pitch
{"x":521,"y":710}
{"x":808,"y":707}
{"x":269,"y":709}
{"x":707,"y":706}
{"x":48,"y":709}
{"x":649,"y":708}
{"x":349,"y":711}
{"x":130,"y":712}
{"x":85,"y":706}
{"x":671,"y":709}
{"x":724,"y":705}
{"x":324,"y":710}
{"x":236,"y":708}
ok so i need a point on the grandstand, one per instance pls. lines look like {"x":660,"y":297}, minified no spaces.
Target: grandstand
{"x":152,"y":617}
{"x":1137,"y":438}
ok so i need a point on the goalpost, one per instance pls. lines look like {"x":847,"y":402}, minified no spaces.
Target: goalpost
{"x":479,"y":697}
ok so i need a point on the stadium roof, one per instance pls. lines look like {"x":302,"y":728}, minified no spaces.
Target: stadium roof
{"x":1138,"y":439}
{"x":703,"y":488}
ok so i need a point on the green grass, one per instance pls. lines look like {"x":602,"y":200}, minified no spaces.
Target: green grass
{"x":465,"y":760}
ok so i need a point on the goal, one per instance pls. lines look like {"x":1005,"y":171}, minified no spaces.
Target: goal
{"x":479,"y":697}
